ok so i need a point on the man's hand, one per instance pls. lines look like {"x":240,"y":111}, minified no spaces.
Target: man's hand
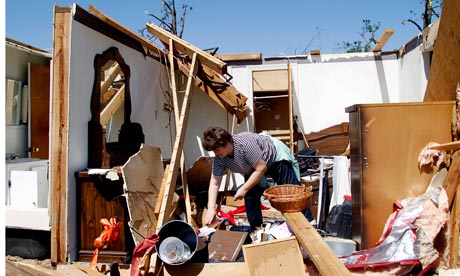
{"x":240,"y":193}
{"x":210,"y":215}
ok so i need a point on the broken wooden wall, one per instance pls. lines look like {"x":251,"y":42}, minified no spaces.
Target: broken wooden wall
{"x":445,"y":68}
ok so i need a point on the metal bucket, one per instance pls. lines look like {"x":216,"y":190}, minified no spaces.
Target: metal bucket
{"x":174,"y":253}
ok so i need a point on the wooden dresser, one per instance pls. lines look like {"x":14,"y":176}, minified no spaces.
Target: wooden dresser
{"x":98,"y":198}
{"x":386,"y":140}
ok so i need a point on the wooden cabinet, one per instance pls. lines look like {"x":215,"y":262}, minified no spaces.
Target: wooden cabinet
{"x":386,"y":140}
{"x":273,"y":104}
{"x":100,"y":198}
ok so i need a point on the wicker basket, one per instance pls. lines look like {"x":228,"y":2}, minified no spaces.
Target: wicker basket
{"x":288,"y":198}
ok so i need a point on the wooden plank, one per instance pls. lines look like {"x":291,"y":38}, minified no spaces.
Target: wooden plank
{"x":455,"y":229}
{"x":153,"y":50}
{"x":206,"y":269}
{"x":453,"y":177}
{"x":205,"y":58}
{"x":271,"y":80}
{"x":444,"y":70}
{"x":161,"y":192}
{"x":170,"y":184}
{"x":240,"y":57}
{"x":387,"y":33}
{"x":113,"y":75}
{"x":113,"y":105}
{"x":228,"y":98}
{"x":226,"y":245}
{"x":325,"y":260}
{"x":172,"y":72}
{"x":59,"y":133}
{"x":276,"y":257}
{"x":447,"y":146}
{"x":19,"y":268}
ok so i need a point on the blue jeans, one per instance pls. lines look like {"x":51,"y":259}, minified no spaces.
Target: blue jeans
{"x":282,"y":173}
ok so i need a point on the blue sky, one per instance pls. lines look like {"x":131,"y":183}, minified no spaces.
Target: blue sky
{"x":271,"y":27}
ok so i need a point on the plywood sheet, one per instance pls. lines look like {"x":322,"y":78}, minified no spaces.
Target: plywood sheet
{"x":226,"y":245}
{"x":270,"y":80}
{"x":277,"y":257}
{"x":445,"y":70}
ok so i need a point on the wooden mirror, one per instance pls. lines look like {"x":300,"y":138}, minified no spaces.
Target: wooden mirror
{"x":112,"y":137}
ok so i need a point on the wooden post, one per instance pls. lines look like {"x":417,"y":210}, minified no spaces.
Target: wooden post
{"x":453,"y":177}
{"x":59,"y":133}
{"x":177,"y":150}
{"x":188,"y":209}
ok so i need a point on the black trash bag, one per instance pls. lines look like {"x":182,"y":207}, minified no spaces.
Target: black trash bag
{"x":338,"y":221}
{"x":307,"y":163}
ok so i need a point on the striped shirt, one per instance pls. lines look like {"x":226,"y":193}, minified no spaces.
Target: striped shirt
{"x":248,"y":149}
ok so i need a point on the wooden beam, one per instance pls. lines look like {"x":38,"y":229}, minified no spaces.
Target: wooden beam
{"x":455,"y":145}
{"x":240,"y":57}
{"x":177,"y":150}
{"x":453,"y":177}
{"x":325,"y":260}
{"x":105,"y":84}
{"x":114,"y":104}
{"x":383,"y":40}
{"x":205,"y":58}
{"x":228,"y":97}
{"x":152,"y":49}
{"x":59,"y":134}
{"x":172,"y":72}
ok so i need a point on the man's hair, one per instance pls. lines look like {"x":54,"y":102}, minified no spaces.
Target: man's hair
{"x":215,"y":137}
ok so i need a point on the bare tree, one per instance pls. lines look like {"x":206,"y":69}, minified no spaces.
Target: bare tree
{"x":169,"y":19}
{"x":431,"y":7}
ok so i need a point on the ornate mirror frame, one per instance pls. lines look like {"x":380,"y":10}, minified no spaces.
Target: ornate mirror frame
{"x":100,"y":153}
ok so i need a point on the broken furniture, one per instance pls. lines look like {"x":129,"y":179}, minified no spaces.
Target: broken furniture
{"x":98,"y":198}
{"x":385,"y":142}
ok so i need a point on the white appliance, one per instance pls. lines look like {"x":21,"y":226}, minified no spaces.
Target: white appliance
{"x":27,"y":193}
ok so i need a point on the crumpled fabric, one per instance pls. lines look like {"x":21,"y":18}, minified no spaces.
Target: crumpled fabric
{"x":110,"y":233}
{"x":408,"y":234}
{"x":141,"y":256}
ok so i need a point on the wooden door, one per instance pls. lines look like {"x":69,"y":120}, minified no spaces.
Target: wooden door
{"x":386,"y":140}
{"x":39,"y":93}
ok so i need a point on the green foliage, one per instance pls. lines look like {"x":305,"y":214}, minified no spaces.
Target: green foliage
{"x":367,"y":41}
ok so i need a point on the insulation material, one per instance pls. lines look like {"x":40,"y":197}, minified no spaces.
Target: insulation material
{"x":408,"y":235}
{"x":429,"y":156}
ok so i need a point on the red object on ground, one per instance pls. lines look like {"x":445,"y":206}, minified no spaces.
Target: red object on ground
{"x":143,"y":251}
{"x":230,"y":214}
{"x":110,"y":233}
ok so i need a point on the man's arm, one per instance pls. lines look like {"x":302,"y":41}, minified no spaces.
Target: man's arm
{"x":259,"y":170}
{"x":213,"y":190}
